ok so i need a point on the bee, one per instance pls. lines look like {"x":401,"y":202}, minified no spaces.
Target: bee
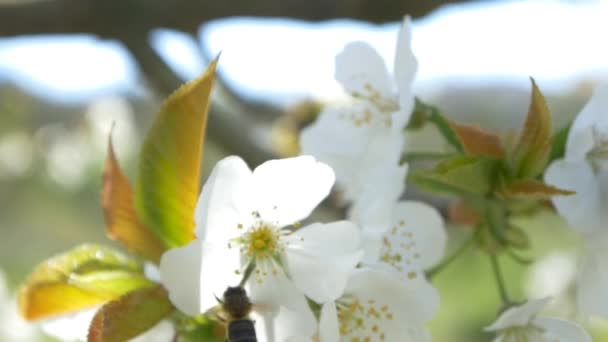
{"x":235,"y":309}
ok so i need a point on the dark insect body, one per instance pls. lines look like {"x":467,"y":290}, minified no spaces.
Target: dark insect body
{"x":237,"y":306}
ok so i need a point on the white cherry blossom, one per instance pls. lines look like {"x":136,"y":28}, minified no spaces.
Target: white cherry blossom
{"x":522,"y":324}
{"x":379,"y":306}
{"x":363,"y":141}
{"x":584,"y":169}
{"x":414,"y":241}
{"x":249,"y":219}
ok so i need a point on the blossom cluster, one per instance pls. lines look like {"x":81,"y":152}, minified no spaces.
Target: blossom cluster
{"x":367,"y":275}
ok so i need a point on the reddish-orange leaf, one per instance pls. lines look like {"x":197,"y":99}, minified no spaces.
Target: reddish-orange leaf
{"x":122,"y":223}
{"x":460,"y":213}
{"x":477,"y":141}
{"x":130,"y":315}
{"x":531,"y":189}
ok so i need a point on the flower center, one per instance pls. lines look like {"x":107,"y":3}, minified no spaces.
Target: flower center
{"x":399,"y":249}
{"x":527,"y":333}
{"x":261,"y":241}
{"x":361,"y":320}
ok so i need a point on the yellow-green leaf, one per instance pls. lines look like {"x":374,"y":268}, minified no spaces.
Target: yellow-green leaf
{"x":83,"y":277}
{"x":130,"y":315}
{"x":531,"y":189}
{"x":169,"y":172}
{"x":478,"y":142}
{"x":463,"y":175}
{"x":534,"y":143}
{"x":122,"y":223}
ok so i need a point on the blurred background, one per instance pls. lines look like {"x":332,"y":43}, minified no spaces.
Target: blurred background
{"x":70,"y":68}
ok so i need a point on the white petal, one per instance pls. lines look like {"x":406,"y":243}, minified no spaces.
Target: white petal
{"x":417,"y":238}
{"x":405,"y":68}
{"x":361,"y":70}
{"x":287,"y":190}
{"x":335,"y":139}
{"x":152,"y":272}
{"x":329,"y":327}
{"x":584,"y":211}
{"x":285,"y":324}
{"x":372,"y":245}
{"x":270,"y":287}
{"x":363,"y":156}
{"x":382,"y":184}
{"x":519,"y":316}
{"x":196,"y":273}
{"x":404,"y":306}
{"x":70,"y":327}
{"x":592,"y":283}
{"x":592,"y":117}
{"x":320,"y":258}
{"x":225,"y":201}
{"x":559,"y":330}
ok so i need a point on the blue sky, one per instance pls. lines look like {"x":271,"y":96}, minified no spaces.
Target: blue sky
{"x":557,"y":42}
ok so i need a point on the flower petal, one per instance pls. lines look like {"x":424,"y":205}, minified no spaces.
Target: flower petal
{"x":591,"y":120}
{"x":225,"y":201}
{"x":329,"y":327}
{"x":71,"y":327}
{"x":583,"y":210}
{"x":320,"y":258}
{"x":417,"y":238}
{"x":559,"y":330}
{"x":405,"y":68}
{"x":403,"y":306}
{"x":285,"y":324}
{"x":356,"y":151}
{"x":287,"y":190}
{"x":592,"y":283}
{"x":382,"y":182}
{"x":361,"y":71}
{"x":196,"y":273}
{"x":269,"y":287}
{"x":519,"y":316}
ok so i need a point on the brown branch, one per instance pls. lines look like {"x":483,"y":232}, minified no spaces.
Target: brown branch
{"x":234,"y":124}
{"x":113,"y":18}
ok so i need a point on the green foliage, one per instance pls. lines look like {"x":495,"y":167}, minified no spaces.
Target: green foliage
{"x":85,"y":276}
{"x":532,"y":148}
{"x":122,"y":222}
{"x":461,"y":176}
{"x":424,"y":112}
{"x":200,"y":329}
{"x":130,"y":315}
{"x":169,"y":171}
{"x":558,"y":148}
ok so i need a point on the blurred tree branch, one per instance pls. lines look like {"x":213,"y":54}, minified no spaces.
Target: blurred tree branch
{"x":238,"y":124}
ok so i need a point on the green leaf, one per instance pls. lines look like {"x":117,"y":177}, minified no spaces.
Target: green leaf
{"x":130,"y":315}
{"x":423,"y":112}
{"x":169,"y":172}
{"x":463,"y":175}
{"x":531,"y":189}
{"x":560,"y":139}
{"x":83,"y":277}
{"x":532,"y":149}
{"x":122,"y":223}
{"x":517,"y":238}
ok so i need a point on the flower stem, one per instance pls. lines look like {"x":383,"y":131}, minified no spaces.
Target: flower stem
{"x":500,"y":281}
{"x":247,"y":273}
{"x":447,"y":261}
